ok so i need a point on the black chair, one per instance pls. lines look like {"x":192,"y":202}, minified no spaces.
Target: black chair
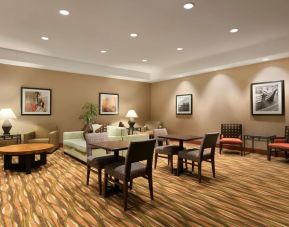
{"x":200,"y":155}
{"x":279,"y":144}
{"x":133,"y":168}
{"x":163,"y":148}
{"x":96,"y":162}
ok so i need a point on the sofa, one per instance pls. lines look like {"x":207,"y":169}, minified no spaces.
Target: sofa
{"x":74,"y":143}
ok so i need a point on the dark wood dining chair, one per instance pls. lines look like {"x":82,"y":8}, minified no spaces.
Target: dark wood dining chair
{"x":96,"y":162}
{"x":163,"y":148}
{"x":231,"y":134}
{"x":279,"y":144}
{"x":205,"y":153}
{"x":132,"y":168}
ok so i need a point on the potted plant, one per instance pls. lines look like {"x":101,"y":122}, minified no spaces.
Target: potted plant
{"x":89,"y":115}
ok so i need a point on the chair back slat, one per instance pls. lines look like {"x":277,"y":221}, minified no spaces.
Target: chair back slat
{"x":160,"y":132}
{"x":287,"y":133}
{"x":94,"y":138}
{"x":231,"y":130}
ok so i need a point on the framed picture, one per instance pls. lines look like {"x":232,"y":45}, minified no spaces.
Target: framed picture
{"x":184,"y":104}
{"x":267,"y":98}
{"x":35,"y":101}
{"x":108,"y":104}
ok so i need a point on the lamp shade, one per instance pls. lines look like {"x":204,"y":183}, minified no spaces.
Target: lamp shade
{"x":131,"y":114}
{"x":7,"y":113}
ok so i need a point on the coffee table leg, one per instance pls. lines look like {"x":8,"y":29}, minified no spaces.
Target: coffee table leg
{"x":43,"y":158}
{"x":28,"y":163}
{"x":7,"y":161}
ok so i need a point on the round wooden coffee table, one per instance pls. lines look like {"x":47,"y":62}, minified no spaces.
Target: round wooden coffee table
{"x":26,"y":155}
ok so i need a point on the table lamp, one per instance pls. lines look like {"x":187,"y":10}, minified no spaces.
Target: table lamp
{"x":6,"y":114}
{"x":131,"y":114}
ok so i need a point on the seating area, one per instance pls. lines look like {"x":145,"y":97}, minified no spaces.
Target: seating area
{"x":144,"y":113}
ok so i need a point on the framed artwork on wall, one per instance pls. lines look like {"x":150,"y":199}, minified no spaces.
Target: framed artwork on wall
{"x":267,"y":98}
{"x":184,"y":104}
{"x":35,"y":101}
{"x":108,"y":104}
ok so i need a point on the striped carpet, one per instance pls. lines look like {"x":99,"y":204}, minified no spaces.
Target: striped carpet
{"x":248,"y":191}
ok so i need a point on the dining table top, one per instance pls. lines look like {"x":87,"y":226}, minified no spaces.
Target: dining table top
{"x":112,"y":145}
{"x":181,"y":137}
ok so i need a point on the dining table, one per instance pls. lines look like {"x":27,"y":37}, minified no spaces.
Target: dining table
{"x":181,"y":139}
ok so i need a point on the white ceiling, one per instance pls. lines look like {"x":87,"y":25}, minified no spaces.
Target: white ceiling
{"x":162,"y":25}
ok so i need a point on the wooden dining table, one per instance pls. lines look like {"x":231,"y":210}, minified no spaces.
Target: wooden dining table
{"x":181,"y":138}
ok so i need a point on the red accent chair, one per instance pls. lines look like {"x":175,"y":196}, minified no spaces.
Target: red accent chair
{"x":279,"y":144}
{"x":231,"y":134}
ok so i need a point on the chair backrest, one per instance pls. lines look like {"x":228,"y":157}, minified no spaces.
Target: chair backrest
{"x":209,"y":141}
{"x":160,"y":132}
{"x":94,"y":138}
{"x":139,"y":151}
{"x":231,"y":130}
{"x":287,"y":133}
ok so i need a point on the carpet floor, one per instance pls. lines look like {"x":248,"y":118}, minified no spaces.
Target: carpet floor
{"x":247,"y":191}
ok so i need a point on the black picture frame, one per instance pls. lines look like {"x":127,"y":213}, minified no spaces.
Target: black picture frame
{"x":36,"y":101}
{"x":184,"y":104}
{"x":113,"y":100}
{"x":268,"y":98}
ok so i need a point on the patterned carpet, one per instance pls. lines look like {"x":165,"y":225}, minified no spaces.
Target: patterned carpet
{"x":248,"y":191}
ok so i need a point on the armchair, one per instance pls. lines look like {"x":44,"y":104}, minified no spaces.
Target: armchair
{"x":231,"y":134}
{"x":279,"y":144}
{"x":43,"y":134}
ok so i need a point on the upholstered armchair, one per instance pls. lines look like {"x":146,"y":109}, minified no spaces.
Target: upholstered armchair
{"x":279,"y":144}
{"x":43,"y":134}
{"x":231,"y":134}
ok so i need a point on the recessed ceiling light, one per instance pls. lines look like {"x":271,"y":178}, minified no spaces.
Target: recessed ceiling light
{"x":234,"y":30}
{"x":133,"y":35}
{"x":144,"y":60}
{"x":265,"y":59}
{"x":189,"y":5}
{"x":64,"y":12}
{"x":180,"y":48}
{"x":44,"y":38}
{"x":103,"y":51}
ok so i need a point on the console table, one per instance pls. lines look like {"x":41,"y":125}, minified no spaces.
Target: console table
{"x":256,"y":137}
{"x":16,"y":137}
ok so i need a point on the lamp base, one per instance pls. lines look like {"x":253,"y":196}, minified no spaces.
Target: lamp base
{"x":131,"y":128}
{"x":6,"y":126}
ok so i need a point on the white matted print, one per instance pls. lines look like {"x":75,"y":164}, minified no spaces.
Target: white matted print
{"x":267,"y":98}
{"x":184,"y":104}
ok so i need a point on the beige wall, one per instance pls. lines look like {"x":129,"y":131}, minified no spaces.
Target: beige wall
{"x":220,"y":97}
{"x":69,"y":93}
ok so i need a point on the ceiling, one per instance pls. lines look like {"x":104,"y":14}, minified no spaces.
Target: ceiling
{"x":162,"y":26}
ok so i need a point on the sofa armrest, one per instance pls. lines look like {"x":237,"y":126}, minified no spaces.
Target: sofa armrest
{"x":54,"y":138}
{"x":136,"y":137}
{"x":28,"y":136}
{"x":73,"y":135}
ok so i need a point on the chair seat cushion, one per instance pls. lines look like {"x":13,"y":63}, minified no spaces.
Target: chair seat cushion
{"x":194,"y":154}
{"x":167,"y":149}
{"x":100,"y":162}
{"x":117,"y":170}
{"x":39,"y":140}
{"x":231,"y":140}
{"x":284,"y":146}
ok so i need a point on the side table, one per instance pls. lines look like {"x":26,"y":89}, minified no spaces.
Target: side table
{"x":253,"y":138}
{"x":16,"y":137}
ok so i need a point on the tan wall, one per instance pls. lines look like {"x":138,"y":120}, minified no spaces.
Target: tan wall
{"x":220,"y":97}
{"x":69,"y":93}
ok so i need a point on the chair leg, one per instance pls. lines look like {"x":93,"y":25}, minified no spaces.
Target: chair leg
{"x":87,"y":175}
{"x":186,"y":163}
{"x":213,"y":167}
{"x":200,"y":171}
{"x":99,"y":181}
{"x":286,"y":154}
{"x":105,"y":184}
{"x":193,"y":166}
{"x":125,"y":191}
{"x":241,"y":149}
{"x":171,"y":163}
{"x":220,"y":148}
{"x":150,"y":179}
{"x":169,"y":160}
{"x":156,"y":159}
{"x":130,"y":184}
{"x":269,"y":154}
{"x":179,"y":163}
